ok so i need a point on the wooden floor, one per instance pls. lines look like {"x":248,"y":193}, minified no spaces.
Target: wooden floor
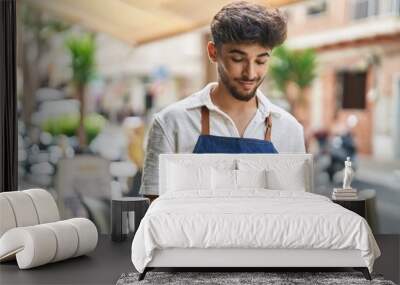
{"x":110,"y":260}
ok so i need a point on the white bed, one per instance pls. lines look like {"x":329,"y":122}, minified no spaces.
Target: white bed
{"x":203,"y":220}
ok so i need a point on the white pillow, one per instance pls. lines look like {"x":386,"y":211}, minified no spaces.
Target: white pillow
{"x":251,"y":178}
{"x":292,"y":178}
{"x":227,"y":179}
{"x":183,"y":177}
{"x":223,"y":179}
{"x":285,"y":174}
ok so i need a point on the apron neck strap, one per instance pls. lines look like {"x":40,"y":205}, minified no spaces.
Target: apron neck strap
{"x":268,"y":127}
{"x":205,"y":121}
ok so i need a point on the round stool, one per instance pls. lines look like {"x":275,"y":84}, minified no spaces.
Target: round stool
{"x":126,"y":214}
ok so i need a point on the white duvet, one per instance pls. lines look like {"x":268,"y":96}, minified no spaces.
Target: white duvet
{"x":255,"y":218}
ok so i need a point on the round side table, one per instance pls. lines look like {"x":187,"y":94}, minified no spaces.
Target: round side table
{"x":358,"y":205}
{"x":121,"y":210}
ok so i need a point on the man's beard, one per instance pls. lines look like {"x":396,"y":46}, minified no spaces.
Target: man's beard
{"x":233,"y":91}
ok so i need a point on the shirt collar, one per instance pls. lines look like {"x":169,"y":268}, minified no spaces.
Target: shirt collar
{"x":203,"y":98}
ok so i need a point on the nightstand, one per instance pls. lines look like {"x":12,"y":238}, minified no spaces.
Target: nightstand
{"x":358,"y":205}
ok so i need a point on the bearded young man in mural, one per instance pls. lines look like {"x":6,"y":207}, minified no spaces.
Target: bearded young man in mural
{"x":231,"y":115}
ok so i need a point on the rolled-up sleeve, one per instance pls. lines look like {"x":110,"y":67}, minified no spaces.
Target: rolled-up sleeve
{"x":157,"y":143}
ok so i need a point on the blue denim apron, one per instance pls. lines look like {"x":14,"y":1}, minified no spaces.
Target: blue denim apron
{"x":207,"y":143}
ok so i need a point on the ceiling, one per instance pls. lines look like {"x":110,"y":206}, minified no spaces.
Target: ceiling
{"x":139,"y":21}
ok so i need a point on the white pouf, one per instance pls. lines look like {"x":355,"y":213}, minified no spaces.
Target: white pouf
{"x":31,"y":233}
{"x":7,"y":218}
{"x":22,"y":207}
{"x":46,"y":207}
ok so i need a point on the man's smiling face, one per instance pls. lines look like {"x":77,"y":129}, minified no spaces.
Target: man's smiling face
{"x":241,"y":67}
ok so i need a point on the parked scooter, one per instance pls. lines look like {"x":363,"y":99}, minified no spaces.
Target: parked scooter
{"x":341,"y":147}
{"x":333,"y":151}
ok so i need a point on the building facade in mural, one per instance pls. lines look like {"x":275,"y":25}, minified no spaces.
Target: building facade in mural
{"x":358,"y":81}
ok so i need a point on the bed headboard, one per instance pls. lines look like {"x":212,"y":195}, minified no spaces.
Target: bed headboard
{"x":236,"y":161}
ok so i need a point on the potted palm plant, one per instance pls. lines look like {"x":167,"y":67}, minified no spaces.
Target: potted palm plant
{"x":292,"y":73}
{"x":82,"y":51}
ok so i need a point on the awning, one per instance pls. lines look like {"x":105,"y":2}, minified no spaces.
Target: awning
{"x":140,"y":21}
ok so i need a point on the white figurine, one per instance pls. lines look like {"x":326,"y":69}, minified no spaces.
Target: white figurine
{"x":348,"y":174}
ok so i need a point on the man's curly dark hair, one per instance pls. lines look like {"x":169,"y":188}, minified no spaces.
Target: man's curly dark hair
{"x":244,"y":22}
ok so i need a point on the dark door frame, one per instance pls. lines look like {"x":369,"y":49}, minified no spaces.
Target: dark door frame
{"x":8,"y":98}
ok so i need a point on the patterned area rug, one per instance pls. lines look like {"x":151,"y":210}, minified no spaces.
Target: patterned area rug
{"x":230,"y":278}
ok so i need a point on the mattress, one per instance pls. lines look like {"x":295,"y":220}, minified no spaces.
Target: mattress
{"x":250,"y":219}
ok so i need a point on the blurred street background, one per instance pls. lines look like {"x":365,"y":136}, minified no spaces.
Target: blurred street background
{"x":91,"y":74}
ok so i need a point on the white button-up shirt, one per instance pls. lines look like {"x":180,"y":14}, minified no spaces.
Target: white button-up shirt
{"x":177,"y":128}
